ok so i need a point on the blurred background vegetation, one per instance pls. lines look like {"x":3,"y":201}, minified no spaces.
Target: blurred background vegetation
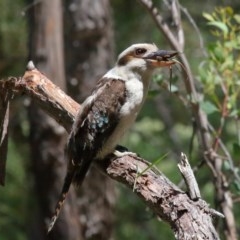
{"x":151,"y":137}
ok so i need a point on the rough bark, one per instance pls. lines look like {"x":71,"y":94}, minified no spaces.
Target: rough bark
{"x":47,"y":137}
{"x":89,"y":54}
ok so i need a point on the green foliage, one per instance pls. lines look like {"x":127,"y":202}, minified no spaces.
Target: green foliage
{"x":219,"y":75}
{"x":13,"y":38}
{"x":13,"y":198}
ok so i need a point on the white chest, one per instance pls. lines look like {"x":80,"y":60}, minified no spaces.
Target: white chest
{"x":135,"y":96}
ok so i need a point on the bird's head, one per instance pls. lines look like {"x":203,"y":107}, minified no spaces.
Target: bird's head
{"x":143,"y":58}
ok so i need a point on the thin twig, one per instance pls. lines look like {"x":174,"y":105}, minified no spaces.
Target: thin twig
{"x":191,"y":20}
{"x":176,"y":15}
{"x":227,"y":154}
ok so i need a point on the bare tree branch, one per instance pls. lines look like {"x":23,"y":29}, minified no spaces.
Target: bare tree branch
{"x":187,"y":218}
{"x":4,"y":115}
{"x":176,"y":14}
{"x":49,"y":96}
{"x":191,"y":20}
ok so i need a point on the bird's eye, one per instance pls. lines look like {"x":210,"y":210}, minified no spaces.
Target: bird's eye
{"x":140,"y":51}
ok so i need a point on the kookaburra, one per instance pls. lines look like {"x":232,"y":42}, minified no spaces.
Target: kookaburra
{"x":110,"y":111}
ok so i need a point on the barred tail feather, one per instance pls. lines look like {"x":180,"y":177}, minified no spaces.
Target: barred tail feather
{"x":76,"y":176}
{"x":61,"y":200}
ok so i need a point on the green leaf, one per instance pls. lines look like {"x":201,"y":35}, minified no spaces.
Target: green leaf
{"x":237,"y":18}
{"x":153,"y":93}
{"x":154,"y":163}
{"x":173,"y":88}
{"x":146,"y":169}
{"x":208,"y":107}
{"x":226,"y":165}
{"x":220,"y":25}
{"x":158,"y":78}
{"x":228,"y":10}
{"x":236,"y":150}
{"x":236,"y":184}
{"x":208,"y":16}
{"x":234,"y":113}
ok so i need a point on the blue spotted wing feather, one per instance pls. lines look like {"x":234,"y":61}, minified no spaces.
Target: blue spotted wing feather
{"x":96,"y":121}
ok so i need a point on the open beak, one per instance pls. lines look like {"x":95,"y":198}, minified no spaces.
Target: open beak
{"x":161,"y":58}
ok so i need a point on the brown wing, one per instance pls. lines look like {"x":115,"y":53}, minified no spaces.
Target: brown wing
{"x":96,"y":121}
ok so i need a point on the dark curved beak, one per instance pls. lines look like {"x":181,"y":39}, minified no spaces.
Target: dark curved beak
{"x":161,"y":58}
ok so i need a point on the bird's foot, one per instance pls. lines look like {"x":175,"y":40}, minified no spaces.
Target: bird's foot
{"x":121,"y":151}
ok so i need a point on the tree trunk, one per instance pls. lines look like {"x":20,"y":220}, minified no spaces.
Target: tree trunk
{"x":89,"y":54}
{"x":47,"y":138}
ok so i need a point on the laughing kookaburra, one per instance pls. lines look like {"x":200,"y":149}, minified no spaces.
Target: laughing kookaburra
{"x":108,"y":113}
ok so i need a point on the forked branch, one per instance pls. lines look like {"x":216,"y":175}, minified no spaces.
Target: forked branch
{"x":187,"y":217}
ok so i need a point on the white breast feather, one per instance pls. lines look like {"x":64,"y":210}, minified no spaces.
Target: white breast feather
{"x":135,"y":97}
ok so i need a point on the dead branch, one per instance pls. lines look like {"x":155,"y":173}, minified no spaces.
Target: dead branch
{"x":189,"y":177}
{"x":189,"y":219}
{"x":4,"y":116}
